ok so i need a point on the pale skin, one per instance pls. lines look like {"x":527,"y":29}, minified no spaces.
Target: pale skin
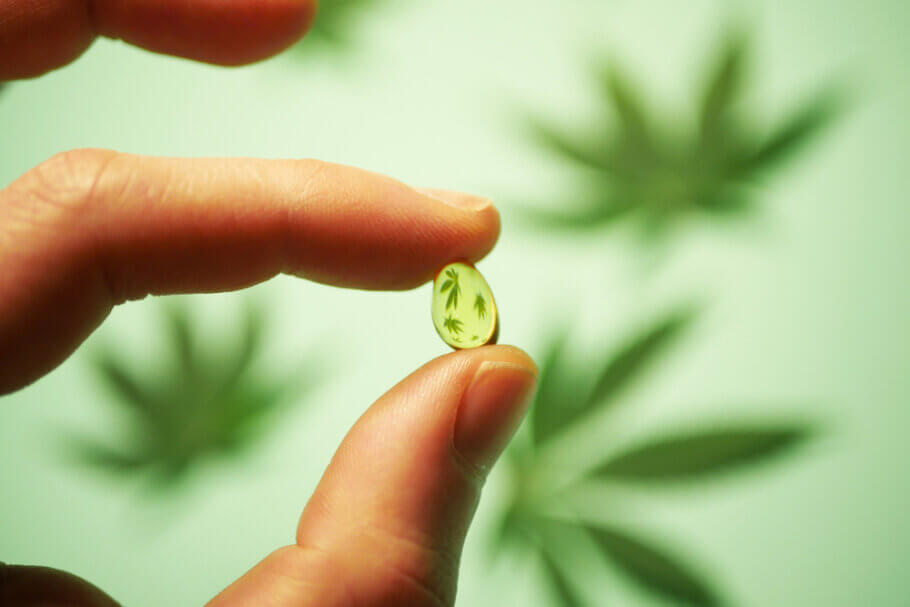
{"x":90,"y":229}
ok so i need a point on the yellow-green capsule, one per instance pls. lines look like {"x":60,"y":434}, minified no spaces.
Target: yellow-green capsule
{"x":463,"y":309}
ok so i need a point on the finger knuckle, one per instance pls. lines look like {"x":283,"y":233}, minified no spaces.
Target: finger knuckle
{"x":315,"y":174}
{"x":416,"y":572}
{"x":305,"y":571}
{"x":64,"y":183}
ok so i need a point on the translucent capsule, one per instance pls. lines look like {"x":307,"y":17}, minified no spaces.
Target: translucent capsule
{"x":463,"y":309}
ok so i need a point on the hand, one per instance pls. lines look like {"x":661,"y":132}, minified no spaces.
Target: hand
{"x":89,"y":229}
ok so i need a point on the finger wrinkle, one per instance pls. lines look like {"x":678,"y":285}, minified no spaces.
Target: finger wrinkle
{"x":295,"y":208}
{"x":101,"y":256}
{"x":421,"y":586}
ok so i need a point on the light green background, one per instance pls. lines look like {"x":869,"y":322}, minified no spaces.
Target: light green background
{"x":807,"y":307}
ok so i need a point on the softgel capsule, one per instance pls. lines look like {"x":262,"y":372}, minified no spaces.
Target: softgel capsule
{"x":463,"y":310}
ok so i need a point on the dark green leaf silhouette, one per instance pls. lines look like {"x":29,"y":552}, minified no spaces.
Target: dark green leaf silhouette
{"x":631,"y":360}
{"x":653,"y":568}
{"x":558,"y":405}
{"x":335,"y":25}
{"x":693,"y":455}
{"x":586,"y":153}
{"x":724,"y":87}
{"x":181,"y":339}
{"x":244,"y":355}
{"x":653,"y":176}
{"x":480,"y":305}
{"x":550,"y":400}
{"x":573,"y":387}
{"x":453,"y":325}
{"x":627,"y":104}
{"x":100,"y":456}
{"x":793,"y":133}
{"x":453,"y":287}
{"x":562,"y":590}
{"x":128,"y":389}
{"x":210,"y":399}
{"x":582,"y":218}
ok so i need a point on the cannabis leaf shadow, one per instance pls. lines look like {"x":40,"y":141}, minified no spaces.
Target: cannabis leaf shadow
{"x":205,"y":400}
{"x":630,"y":169}
{"x":568,"y":396}
{"x":334,"y":29}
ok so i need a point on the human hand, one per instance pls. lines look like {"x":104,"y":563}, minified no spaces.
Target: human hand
{"x":90,"y":229}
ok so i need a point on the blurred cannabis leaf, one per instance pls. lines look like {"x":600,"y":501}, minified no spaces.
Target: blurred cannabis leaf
{"x":208,"y":399}
{"x":631,"y":169}
{"x":334,"y":26}
{"x":569,"y":394}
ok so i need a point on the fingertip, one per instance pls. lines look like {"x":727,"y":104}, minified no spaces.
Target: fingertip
{"x":233,"y":33}
{"x":31,"y":585}
{"x":509,"y":354}
{"x":403,"y":486}
{"x":383,"y":233}
{"x":492,"y":223}
{"x":37,"y":36}
{"x":493,"y":405}
{"x":473,"y":228}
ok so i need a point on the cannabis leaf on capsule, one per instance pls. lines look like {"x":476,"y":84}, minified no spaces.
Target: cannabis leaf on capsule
{"x":480,"y":304}
{"x":451,"y":285}
{"x":453,"y":325}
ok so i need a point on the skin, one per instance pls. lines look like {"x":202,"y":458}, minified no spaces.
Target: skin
{"x":90,"y":229}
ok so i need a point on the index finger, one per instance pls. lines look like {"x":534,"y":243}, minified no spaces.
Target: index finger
{"x":92,"y":228}
{"x":39,"y":35}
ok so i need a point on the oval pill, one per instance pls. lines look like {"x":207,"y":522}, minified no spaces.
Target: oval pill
{"x":463,"y":310}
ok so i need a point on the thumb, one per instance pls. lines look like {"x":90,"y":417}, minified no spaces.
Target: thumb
{"x":387,"y":522}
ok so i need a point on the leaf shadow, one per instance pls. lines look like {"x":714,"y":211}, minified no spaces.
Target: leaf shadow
{"x":205,"y":399}
{"x":572,"y":390}
{"x":335,"y":31}
{"x":631,"y":170}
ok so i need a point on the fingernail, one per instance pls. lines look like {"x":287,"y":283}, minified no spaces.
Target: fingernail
{"x":491,"y":410}
{"x":459,"y":200}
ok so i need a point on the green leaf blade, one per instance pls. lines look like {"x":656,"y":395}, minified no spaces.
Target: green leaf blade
{"x":695,"y":455}
{"x":224,"y":405}
{"x":629,"y":108}
{"x":480,"y":305}
{"x":578,"y":152}
{"x":653,"y":569}
{"x":560,"y":586}
{"x":125,"y":386}
{"x":578,"y":217}
{"x":631,"y":361}
{"x":101,"y":456}
{"x":795,"y":132}
{"x":560,"y":402}
{"x":182,"y":340}
{"x":550,"y":399}
{"x":241,"y":358}
{"x":452,"y":299}
{"x":725,"y":85}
